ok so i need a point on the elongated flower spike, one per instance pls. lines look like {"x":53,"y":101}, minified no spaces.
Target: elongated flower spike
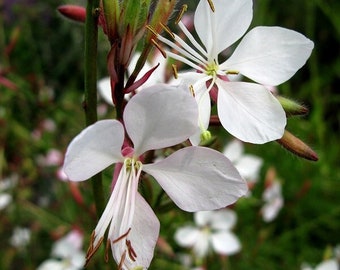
{"x":246,"y":110}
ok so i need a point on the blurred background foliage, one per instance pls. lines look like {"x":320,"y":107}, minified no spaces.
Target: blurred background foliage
{"x":41,"y":53}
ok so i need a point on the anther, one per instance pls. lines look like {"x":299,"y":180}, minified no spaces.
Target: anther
{"x":232,"y":72}
{"x":181,"y":13}
{"x":211,"y":4}
{"x":174,"y":69}
{"x":153,"y":31}
{"x":167,"y":29}
{"x":122,"y":259}
{"x":121,"y":237}
{"x":192,"y":91}
{"x":158,"y":47}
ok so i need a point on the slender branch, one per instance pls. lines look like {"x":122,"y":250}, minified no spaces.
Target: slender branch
{"x":90,"y":102}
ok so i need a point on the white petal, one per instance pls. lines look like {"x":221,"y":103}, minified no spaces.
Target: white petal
{"x":332,"y":264}
{"x":233,"y":150}
{"x":198,"y":178}
{"x":249,"y":167}
{"x":144,"y":233}
{"x":224,"y":219}
{"x":160,"y":116}
{"x":250,"y":112}
{"x":270,"y":55}
{"x":225,"y":243}
{"x":104,"y":89}
{"x":186,"y":236}
{"x":220,"y":29}
{"x":203,"y":218}
{"x":94,"y":149}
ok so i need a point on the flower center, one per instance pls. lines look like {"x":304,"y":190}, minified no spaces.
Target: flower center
{"x":212,"y":69}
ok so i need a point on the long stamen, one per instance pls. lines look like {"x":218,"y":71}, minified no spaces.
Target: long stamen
{"x":174,"y":69}
{"x":181,"y":13}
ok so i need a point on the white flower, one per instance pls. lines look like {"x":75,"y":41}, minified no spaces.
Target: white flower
{"x":273,"y":199}
{"x":66,"y":253}
{"x":248,"y":165}
{"x":212,"y":231}
{"x":196,"y":178}
{"x":20,"y":237}
{"x":267,"y":55}
{"x":6,"y":185}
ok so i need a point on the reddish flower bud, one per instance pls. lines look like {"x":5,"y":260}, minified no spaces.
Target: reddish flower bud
{"x":297,"y":147}
{"x":73,"y":12}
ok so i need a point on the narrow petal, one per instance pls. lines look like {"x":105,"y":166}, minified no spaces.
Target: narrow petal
{"x":220,"y":29}
{"x":270,"y":55}
{"x":225,"y":243}
{"x":94,"y":149}
{"x":198,"y":178}
{"x":160,"y":116}
{"x":143,"y":235}
{"x":250,"y":112}
{"x":187,"y":236}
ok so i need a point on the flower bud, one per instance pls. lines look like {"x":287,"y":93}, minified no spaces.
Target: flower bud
{"x":292,"y":107}
{"x":297,"y":147}
{"x":73,"y":12}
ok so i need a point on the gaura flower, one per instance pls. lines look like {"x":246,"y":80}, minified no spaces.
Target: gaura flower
{"x":196,"y":178}
{"x":266,"y":55}
{"x":212,"y":232}
{"x":272,"y":196}
{"x":248,"y":165}
{"x":66,"y":253}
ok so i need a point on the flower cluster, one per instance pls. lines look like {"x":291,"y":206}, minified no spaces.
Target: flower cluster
{"x":164,"y":116}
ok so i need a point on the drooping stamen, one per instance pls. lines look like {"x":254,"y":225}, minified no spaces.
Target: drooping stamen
{"x":192,"y":91}
{"x":181,"y":13}
{"x":122,"y":259}
{"x":232,"y":72}
{"x":121,"y":237}
{"x":131,"y":251}
{"x":92,"y":249}
{"x":158,"y":47}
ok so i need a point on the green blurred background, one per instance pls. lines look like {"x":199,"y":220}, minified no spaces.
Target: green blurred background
{"x":42,"y":54}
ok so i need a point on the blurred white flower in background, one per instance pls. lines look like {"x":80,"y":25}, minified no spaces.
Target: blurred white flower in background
{"x":272,"y":197}
{"x":248,"y":165}
{"x":212,"y":232}
{"x":20,"y":237}
{"x":66,"y":253}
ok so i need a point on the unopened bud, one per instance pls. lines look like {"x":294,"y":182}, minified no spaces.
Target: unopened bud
{"x":292,"y":107}
{"x":297,"y":147}
{"x":73,"y":12}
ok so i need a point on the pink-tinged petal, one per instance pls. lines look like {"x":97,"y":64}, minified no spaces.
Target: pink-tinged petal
{"x":220,"y":29}
{"x":187,"y":236}
{"x":270,"y":55}
{"x":160,"y":116}
{"x":94,"y":149}
{"x":250,"y":112}
{"x":225,"y":243}
{"x":143,"y":235}
{"x":198,"y":178}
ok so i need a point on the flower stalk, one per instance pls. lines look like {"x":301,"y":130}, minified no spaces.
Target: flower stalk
{"x":90,"y":102}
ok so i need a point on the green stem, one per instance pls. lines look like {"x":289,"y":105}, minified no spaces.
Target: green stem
{"x":90,"y":103}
